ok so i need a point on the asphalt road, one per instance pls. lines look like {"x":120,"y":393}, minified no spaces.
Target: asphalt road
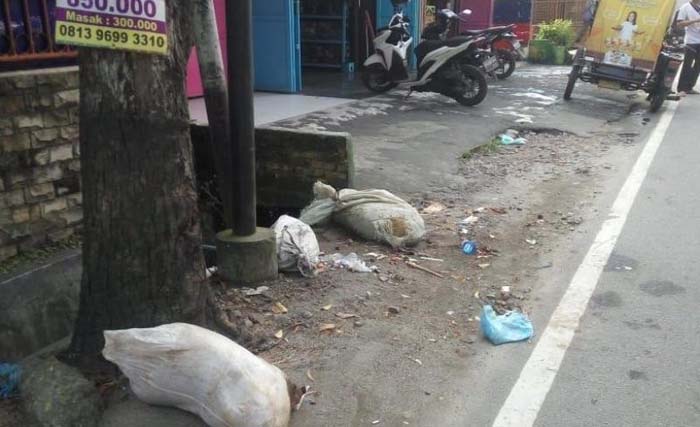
{"x":634,"y":360}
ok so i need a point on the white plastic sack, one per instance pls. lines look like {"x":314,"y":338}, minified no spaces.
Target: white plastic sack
{"x":297,"y":247}
{"x":202,"y":372}
{"x":376,"y":215}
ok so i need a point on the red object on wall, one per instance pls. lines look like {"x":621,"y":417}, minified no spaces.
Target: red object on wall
{"x":194,"y":79}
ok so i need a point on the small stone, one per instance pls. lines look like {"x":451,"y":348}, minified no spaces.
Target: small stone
{"x":247,"y":323}
{"x":394,"y":309}
{"x":307,"y":314}
{"x":237,"y":314}
{"x":358,"y":323}
{"x":471,"y":339}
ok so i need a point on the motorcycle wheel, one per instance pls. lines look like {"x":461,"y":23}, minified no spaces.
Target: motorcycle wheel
{"x":507,"y":61}
{"x":476,"y":87}
{"x":376,"y":78}
{"x":573,"y":76}
{"x":657,"y":99}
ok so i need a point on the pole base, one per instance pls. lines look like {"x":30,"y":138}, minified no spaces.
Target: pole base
{"x":246,"y":260}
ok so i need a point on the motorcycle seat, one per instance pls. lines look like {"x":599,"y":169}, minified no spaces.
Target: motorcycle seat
{"x":488,"y":30}
{"x":427,"y":46}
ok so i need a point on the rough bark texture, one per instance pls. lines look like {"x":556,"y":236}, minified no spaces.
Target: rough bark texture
{"x":142,"y":259}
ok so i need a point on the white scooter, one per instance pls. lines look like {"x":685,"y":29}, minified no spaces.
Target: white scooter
{"x":448,"y":67}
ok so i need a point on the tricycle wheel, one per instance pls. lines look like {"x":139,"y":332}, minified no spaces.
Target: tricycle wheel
{"x":657,"y":99}
{"x":573,"y":76}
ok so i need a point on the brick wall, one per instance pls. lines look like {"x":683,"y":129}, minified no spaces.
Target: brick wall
{"x":39,"y":167}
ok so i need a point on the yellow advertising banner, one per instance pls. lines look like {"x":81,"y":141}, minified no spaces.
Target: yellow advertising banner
{"x":629,"y":33}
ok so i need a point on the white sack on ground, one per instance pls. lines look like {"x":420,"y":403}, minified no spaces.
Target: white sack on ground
{"x":375,"y":215}
{"x":202,"y":372}
{"x":297,"y":247}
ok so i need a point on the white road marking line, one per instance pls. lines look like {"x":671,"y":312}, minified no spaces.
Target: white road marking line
{"x":529,"y":392}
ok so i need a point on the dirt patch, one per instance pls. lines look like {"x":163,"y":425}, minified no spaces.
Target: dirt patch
{"x":383,"y":343}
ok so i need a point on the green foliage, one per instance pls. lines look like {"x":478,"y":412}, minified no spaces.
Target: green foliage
{"x":560,"y":32}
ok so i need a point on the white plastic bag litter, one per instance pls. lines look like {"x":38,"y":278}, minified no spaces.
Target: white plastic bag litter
{"x":374,"y":215}
{"x":297,"y":247}
{"x":351,"y":261}
{"x":202,"y":372}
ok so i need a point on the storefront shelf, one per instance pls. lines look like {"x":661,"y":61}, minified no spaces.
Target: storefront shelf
{"x":313,"y":65}
{"x":322,"y":17}
{"x":323,"y":41}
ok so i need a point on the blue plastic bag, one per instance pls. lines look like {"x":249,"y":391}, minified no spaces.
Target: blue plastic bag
{"x":9,"y":379}
{"x":509,"y":327}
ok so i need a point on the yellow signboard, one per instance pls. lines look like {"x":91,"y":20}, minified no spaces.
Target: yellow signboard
{"x":629,"y":33}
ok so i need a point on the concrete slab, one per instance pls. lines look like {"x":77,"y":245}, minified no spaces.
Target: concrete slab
{"x":273,"y":107}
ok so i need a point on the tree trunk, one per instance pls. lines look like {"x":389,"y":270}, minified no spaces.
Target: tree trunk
{"x":142,"y":259}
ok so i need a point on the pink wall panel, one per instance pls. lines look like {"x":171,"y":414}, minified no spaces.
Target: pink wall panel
{"x":194,"y":80}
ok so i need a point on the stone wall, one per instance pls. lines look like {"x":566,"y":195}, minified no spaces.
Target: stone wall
{"x":40,"y":199}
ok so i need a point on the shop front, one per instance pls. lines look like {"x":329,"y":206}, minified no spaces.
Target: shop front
{"x":310,"y":46}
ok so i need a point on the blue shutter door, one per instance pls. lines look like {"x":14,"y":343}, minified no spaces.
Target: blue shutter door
{"x":276,"y":46}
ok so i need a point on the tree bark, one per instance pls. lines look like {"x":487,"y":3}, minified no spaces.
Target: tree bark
{"x":142,"y":259}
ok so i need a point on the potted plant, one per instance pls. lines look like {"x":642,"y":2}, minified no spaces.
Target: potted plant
{"x":552,"y":41}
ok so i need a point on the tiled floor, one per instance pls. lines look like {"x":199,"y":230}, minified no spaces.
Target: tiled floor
{"x":272,"y":107}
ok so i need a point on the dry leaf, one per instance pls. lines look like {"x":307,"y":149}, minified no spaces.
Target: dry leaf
{"x":434,"y":207}
{"x":280,"y":334}
{"x":327,"y":327}
{"x":346,"y":315}
{"x":327,"y":307}
{"x":278,"y":308}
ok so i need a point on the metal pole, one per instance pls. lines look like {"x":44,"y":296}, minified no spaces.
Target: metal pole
{"x":211,"y":69}
{"x":239,"y":26}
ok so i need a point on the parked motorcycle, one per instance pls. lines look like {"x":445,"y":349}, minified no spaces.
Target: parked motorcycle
{"x":494,"y":63}
{"x":448,"y":67}
{"x":502,"y":42}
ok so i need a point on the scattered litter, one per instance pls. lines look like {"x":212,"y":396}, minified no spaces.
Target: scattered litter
{"x":309,"y":376}
{"x":427,"y":258}
{"x":254,"y":292}
{"x":346,"y":315}
{"x":434,"y":207}
{"x":427,"y":270}
{"x":469,"y":247}
{"x":297,"y":247}
{"x":432,"y":340}
{"x":627,"y":268}
{"x":350,"y":261}
{"x":418,"y":361}
{"x":547,"y":264}
{"x":509,"y":140}
{"x":375,"y":422}
{"x":10,"y":374}
{"x":211,"y":271}
{"x":383,"y":278}
{"x":279,"y":308}
{"x":510,"y":327}
{"x":199,"y":371}
{"x":450,"y":313}
{"x":392,"y":309}
{"x":500,"y":211}
{"x":326,"y":327}
{"x":484,"y":266}
{"x":532,"y":242}
{"x":471,"y":219}
{"x":405,"y":296}
{"x":376,"y":215}
{"x":376,"y":256}
{"x":476,"y":295}
{"x":280,"y":334}
{"x":327,"y":307}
